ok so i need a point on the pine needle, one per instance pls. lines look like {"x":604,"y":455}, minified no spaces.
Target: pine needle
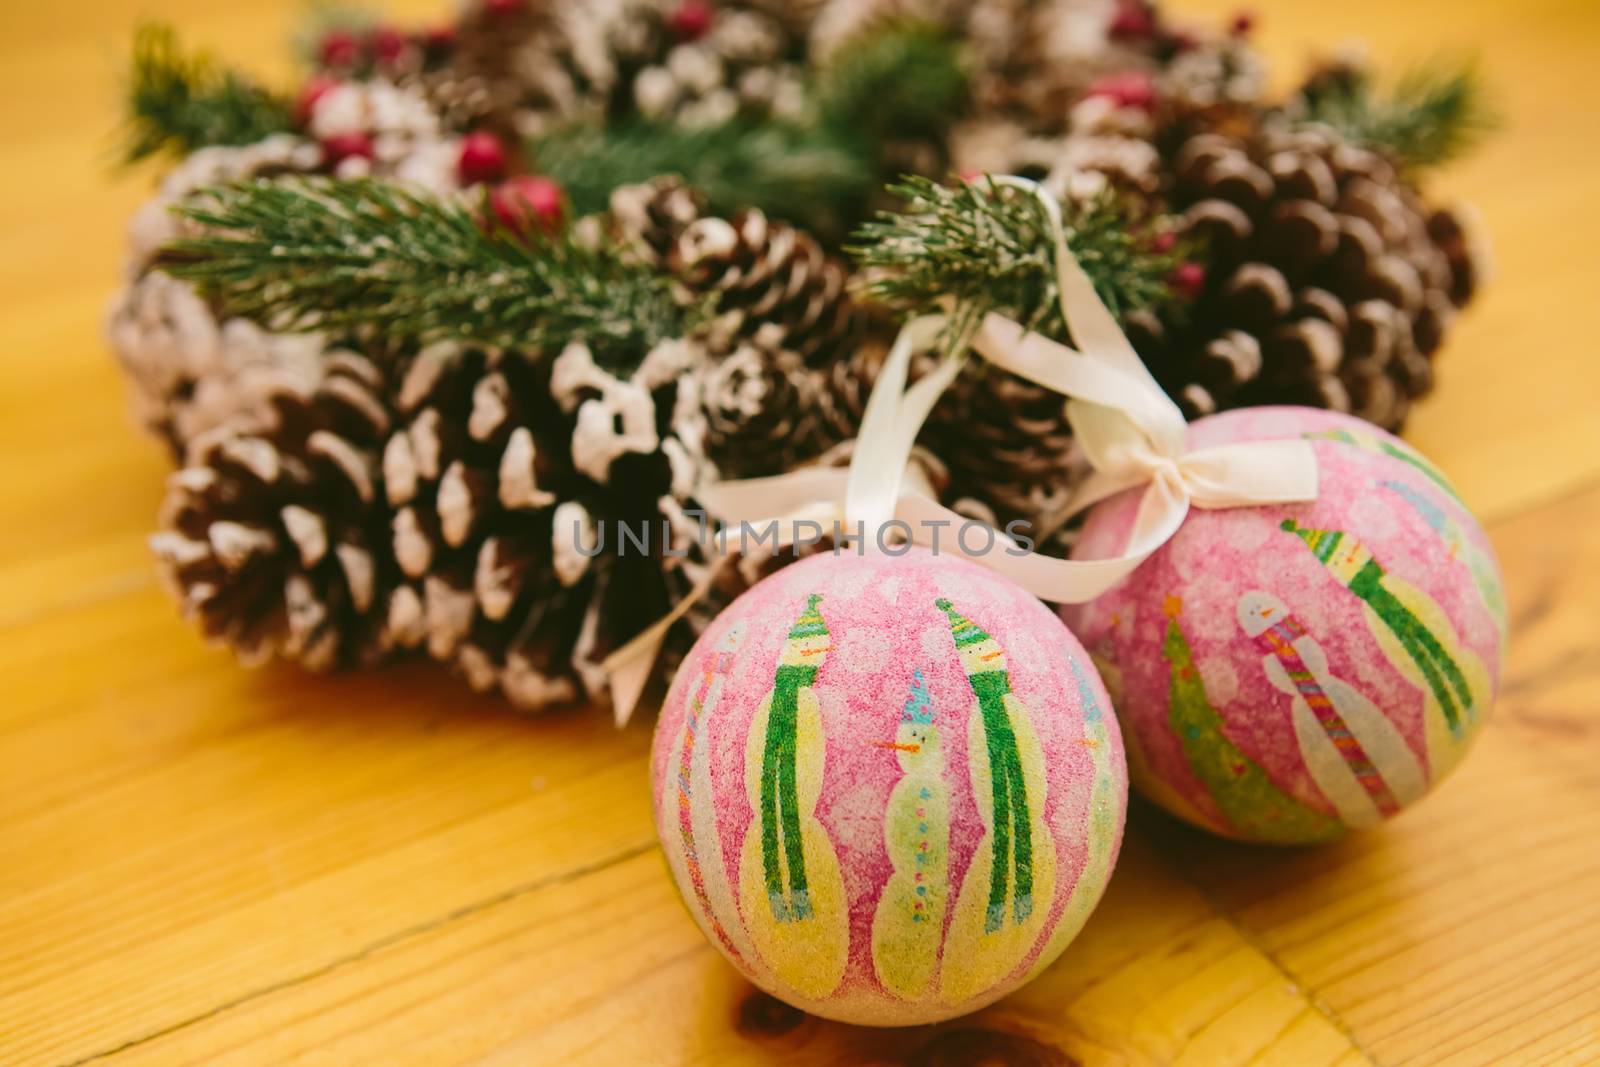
{"x":819,"y":171}
{"x":377,"y":260}
{"x":1435,"y":113}
{"x":179,"y":101}
{"x":802,"y":174}
{"x":981,"y":247}
{"x":904,"y":80}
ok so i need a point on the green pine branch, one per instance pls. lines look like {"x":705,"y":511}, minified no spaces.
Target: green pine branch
{"x":973,"y":248}
{"x":377,"y":260}
{"x":179,"y":101}
{"x":905,"y":81}
{"x":796,"y":172}
{"x":1433,"y":115}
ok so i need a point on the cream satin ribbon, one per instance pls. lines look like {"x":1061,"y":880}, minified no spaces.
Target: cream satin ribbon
{"x":1131,"y":433}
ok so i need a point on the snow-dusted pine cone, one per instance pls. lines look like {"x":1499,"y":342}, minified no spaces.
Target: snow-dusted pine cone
{"x":275,"y":541}
{"x":720,"y":62}
{"x":511,"y":483}
{"x":765,"y":411}
{"x":649,"y":217}
{"x":773,"y":281}
{"x":1329,"y":281}
{"x":520,"y":68}
{"x":190,"y":372}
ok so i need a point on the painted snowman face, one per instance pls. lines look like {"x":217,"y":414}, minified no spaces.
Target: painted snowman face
{"x":981,"y":656}
{"x":1259,"y":610}
{"x":916,"y":744}
{"x":806,"y":651}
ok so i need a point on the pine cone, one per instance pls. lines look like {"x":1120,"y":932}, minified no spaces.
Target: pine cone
{"x":764,"y":412}
{"x":1328,"y":281}
{"x":478,"y":82}
{"x":274,"y":540}
{"x":507,"y":469}
{"x":740,"y":65}
{"x":650,"y":217}
{"x":774,"y":282}
{"x":520,"y":68}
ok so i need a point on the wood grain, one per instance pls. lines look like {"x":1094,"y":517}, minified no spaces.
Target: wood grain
{"x":204,"y":865}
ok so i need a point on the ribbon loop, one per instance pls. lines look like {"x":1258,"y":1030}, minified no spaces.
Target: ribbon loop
{"x":1130,"y":431}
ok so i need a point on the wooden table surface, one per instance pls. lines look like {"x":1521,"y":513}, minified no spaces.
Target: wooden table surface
{"x":204,"y":865}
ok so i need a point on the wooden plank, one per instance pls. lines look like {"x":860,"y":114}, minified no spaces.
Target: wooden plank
{"x":1156,"y":978}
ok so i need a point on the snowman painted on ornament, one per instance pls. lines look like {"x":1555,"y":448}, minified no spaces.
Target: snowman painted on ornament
{"x":1352,"y":751}
{"x":908,"y":924}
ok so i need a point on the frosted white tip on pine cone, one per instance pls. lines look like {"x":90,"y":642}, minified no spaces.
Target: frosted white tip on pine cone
{"x":271,"y":539}
{"x":187,"y":374}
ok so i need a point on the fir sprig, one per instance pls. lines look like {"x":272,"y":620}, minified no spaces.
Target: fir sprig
{"x":797,"y":172}
{"x":905,"y":81}
{"x":381,"y":261}
{"x":1434,"y":114}
{"x":972,"y":248}
{"x":179,"y":101}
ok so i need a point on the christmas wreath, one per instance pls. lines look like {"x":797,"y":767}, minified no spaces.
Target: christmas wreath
{"x":424,"y":332}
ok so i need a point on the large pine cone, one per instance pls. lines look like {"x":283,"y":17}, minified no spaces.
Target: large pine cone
{"x":507,"y":471}
{"x":1328,"y":281}
{"x":274,"y":540}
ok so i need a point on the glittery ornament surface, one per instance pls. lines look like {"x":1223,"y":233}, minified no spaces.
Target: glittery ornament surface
{"x":889,"y":788}
{"x":1287,"y":673}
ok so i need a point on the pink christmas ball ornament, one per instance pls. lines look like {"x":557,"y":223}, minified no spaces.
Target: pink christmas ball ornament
{"x":889,"y":788}
{"x":1287,"y":673}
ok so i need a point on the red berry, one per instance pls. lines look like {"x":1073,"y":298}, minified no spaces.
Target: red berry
{"x":1188,"y":279}
{"x":483,"y":158}
{"x":388,"y":44}
{"x":1242,"y":23}
{"x":342,"y":146}
{"x":1163,"y":242}
{"x":339,"y":49}
{"x":503,"y":8}
{"x":691,"y":20}
{"x":1134,"y":20}
{"x":971,"y":176}
{"x":316,"y":87}
{"x":1128,"y":88}
{"x":527,"y":204}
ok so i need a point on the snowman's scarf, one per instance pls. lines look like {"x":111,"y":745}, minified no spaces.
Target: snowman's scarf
{"x":780,"y":805}
{"x":1278,"y":641}
{"x":1013,"y":829}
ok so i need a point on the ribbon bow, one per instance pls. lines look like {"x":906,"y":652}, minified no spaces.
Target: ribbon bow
{"x":1131,"y":433}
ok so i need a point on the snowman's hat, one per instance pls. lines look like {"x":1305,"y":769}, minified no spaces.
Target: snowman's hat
{"x":810,"y":623}
{"x":962,"y":629}
{"x":919,"y":705}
